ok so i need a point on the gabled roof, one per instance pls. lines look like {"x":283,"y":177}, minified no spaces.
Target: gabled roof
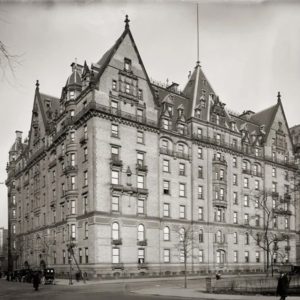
{"x":104,"y":61}
{"x":265,"y":117}
{"x":194,"y":88}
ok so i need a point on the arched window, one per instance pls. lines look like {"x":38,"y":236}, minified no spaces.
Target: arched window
{"x":221,"y":256}
{"x":166,"y":233}
{"x":181,"y":234}
{"x":115,"y":231}
{"x":141,"y":232}
{"x":165,"y":144}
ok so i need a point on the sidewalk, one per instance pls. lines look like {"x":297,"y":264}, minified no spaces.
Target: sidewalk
{"x":193,"y":293}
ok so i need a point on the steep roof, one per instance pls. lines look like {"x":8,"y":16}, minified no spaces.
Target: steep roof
{"x":104,"y":61}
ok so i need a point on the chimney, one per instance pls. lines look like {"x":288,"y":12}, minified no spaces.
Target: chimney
{"x":19,"y":135}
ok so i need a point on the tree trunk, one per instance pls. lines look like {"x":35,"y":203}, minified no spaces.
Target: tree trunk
{"x":185,"y":271}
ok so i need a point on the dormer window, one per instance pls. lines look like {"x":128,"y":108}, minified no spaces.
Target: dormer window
{"x":203,"y":103}
{"x":170,"y":109}
{"x":217,"y":119}
{"x":197,"y":113}
{"x":165,"y":124}
{"x":72,"y":94}
{"x":127,"y":64}
{"x":180,"y":128}
{"x":180,"y":112}
{"x":114,"y":85}
{"x":127,"y":88}
{"x":233,"y":126}
{"x":140,"y":94}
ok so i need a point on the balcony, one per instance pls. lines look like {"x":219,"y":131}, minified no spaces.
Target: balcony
{"x":287,"y":197}
{"x":275,"y":195}
{"x":142,"y":243}
{"x":219,"y":160}
{"x":142,"y":265}
{"x":282,"y":211}
{"x":117,"y":187}
{"x":117,"y":266}
{"x":142,"y":191}
{"x":247,"y":171}
{"x":115,"y":161}
{"x":116,"y":242}
{"x":142,"y":167}
{"x":71,"y":169}
{"x":220,"y":203}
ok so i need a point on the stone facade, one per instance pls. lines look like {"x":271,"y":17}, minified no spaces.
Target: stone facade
{"x":118,"y":166}
{"x":3,"y":249}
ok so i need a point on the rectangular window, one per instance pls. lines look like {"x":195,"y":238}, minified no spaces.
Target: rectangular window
{"x":140,"y":137}
{"x":200,"y":192}
{"x":222,"y":194}
{"x":274,"y":187}
{"x":85,"y":178}
{"x":235,"y":238}
{"x":257,"y":220}
{"x":86,"y":230}
{"x":141,"y":255}
{"x":200,"y":214}
{"x":64,"y":256}
{"x":201,"y":256}
{"x":166,"y":166}
{"x":140,"y":159}
{"x":127,"y":64}
{"x":166,"y":210}
{"x":115,"y":153}
{"x":114,"y":85}
{"x":72,"y":136}
{"x":72,"y":159}
{"x":246,"y":182}
{"x":73,"y":183}
{"x":246,"y":256}
{"x":235,"y":217}
{"x":80,"y":255}
{"x":85,"y":154}
{"x":166,"y":255}
{"x":73,"y":207}
{"x":235,"y":256}
{"x":115,"y":255}
{"x":257,"y":185}
{"x":114,"y":130}
{"x":140,"y":181}
{"x":235,"y":198}
{"x":115,"y":203}
{"x":182,"y":190}
{"x":246,"y":200}
{"x":274,"y":172}
{"x":85,"y":204}
{"x":73,"y":231}
{"x":181,"y":256}
{"x":166,"y":187}
{"x":200,"y":172}
{"x":141,"y":206}
{"x":257,"y":256}
{"x":86,"y":254}
{"x":246,"y":219}
{"x":200,"y":153}
{"x":234,"y":162}
{"x":234,"y":179}
{"x":181,"y":169}
{"x":85,"y":132}
{"x":199,"y":132}
{"x":115,"y":177}
{"x":140,"y":94}
{"x":182,"y":211}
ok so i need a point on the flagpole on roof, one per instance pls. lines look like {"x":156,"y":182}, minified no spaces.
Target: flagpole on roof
{"x":198,"y":34}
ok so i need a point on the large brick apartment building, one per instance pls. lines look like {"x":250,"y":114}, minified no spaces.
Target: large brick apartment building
{"x":120,"y":166}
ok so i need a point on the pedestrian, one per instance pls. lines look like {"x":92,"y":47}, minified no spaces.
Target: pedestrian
{"x":36,"y":280}
{"x":283,"y":286}
{"x":218,"y":275}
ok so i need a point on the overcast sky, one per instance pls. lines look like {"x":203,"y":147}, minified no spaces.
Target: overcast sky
{"x":248,"y":51}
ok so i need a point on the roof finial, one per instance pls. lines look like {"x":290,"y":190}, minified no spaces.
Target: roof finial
{"x":126,"y":22}
{"x":278,"y":97}
{"x":37,"y":84}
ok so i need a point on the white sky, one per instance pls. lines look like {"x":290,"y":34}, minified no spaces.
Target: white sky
{"x":248,"y":51}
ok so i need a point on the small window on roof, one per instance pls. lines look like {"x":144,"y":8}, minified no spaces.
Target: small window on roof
{"x":127,"y":64}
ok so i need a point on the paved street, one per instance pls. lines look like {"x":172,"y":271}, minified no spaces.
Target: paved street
{"x":15,"y":290}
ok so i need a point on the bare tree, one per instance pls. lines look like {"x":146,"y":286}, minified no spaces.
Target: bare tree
{"x":185,"y":245}
{"x":267,"y":235}
{"x":8,"y":61}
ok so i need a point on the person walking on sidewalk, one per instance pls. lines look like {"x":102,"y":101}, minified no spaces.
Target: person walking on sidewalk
{"x":283,"y":286}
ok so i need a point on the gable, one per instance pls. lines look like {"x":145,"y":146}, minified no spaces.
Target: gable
{"x":279,"y":131}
